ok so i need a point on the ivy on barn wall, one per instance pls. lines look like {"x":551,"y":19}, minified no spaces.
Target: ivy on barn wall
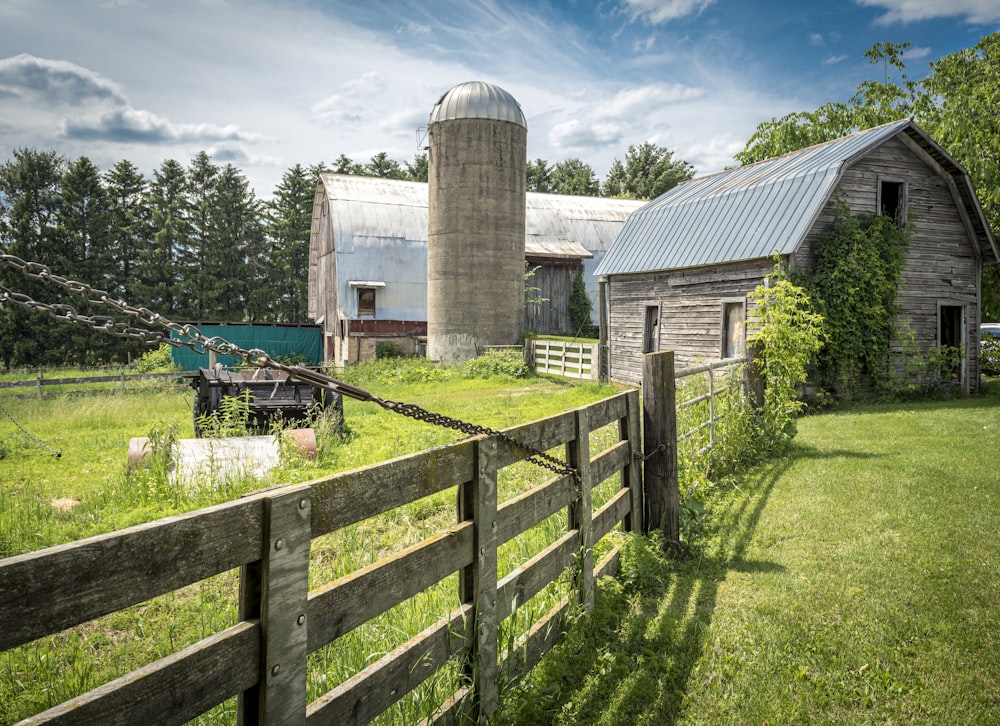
{"x":854,"y":283}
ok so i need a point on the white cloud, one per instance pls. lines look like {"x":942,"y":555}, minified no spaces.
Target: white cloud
{"x":352,"y":104}
{"x":906,"y":11}
{"x":834,"y":59}
{"x":54,"y":82}
{"x":662,"y":11}
{"x":576,"y":135}
{"x":715,"y":153}
{"x":129,"y":125}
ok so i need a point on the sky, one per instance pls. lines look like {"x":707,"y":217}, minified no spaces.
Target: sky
{"x":268,"y":84}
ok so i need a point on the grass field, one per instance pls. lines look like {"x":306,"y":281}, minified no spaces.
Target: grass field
{"x":856,"y":580}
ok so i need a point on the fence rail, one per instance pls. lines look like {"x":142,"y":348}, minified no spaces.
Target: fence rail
{"x":40,"y":382}
{"x":573,"y":360}
{"x":711,"y":395}
{"x":262,"y":659}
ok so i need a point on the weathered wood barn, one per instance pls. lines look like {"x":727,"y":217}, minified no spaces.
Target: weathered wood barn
{"x":678,"y":276}
{"x":368,"y":260}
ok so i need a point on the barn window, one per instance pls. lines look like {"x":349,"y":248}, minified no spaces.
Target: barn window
{"x":892,"y":200}
{"x":650,"y":329}
{"x":733,"y":328}
{"x":366,"y":301}
{"x":366,"y":290}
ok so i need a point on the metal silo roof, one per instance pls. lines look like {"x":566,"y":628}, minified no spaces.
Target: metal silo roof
{"x":751,"y":212}
{"x":477,"y":99}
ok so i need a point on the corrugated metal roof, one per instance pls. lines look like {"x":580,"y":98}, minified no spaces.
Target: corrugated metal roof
{"x":367,"y":211}
{"x":751,"y":212}
{"x":477,"y":99}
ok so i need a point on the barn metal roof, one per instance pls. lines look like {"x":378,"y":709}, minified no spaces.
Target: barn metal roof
{"x":369,"y":211}
{"x":758,"y":210}
{"x":477,"y":99}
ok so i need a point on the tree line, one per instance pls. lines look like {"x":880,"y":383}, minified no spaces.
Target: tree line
{"x":194,"y":243}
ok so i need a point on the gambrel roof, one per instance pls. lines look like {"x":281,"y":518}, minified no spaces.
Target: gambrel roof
{"x":759,"y":210}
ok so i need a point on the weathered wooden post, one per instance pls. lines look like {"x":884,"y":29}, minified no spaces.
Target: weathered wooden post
{"x":659,"y":442}
{"x":580,"y":512}
{"x":603,"y":351}
{"x":274,"y":591}
{"x":477,"y":583}
{"x":753,"y":381}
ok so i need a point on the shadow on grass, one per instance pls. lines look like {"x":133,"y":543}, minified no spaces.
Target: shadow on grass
{"x":631,"y":660}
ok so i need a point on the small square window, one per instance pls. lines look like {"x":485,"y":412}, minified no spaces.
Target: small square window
{"x":734,"y":329}
{"x":366,"y":301}
{"x":892,"y":200}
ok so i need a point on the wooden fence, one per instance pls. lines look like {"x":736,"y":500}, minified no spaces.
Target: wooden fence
{"x":40,"y":382}
{"x":262,"y":659}
{"x":573,"y":360}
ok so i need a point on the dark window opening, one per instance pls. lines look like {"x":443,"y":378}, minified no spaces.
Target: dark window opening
{"x":891,"y":200}
{"x":649,"y":333}
{"x":950,"y":335}
{"x":366,"y":301}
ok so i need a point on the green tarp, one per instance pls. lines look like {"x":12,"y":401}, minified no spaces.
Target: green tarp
{"x":295,"y":342}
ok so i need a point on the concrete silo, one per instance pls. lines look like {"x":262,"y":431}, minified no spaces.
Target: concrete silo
{"x":477,"y":139}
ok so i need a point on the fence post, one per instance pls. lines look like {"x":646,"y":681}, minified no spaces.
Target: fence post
{"x":275,"y":591}
{"x":753,"y":380}
{"x":659,"y":429}
{"x":477,"y":583}
{"x":39,"y":384}
{"x":581,"y":510}
{"x":631,"y":475}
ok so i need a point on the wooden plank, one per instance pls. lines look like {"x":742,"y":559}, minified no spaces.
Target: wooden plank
{"x":526,"y":510}
{"x":580,"y":510}
{"x":484,"y":644}
{"x":173,"y":690}
{"x":632,"y":474}
{"x":284,"y":594}
{"x":529,"y":579}
{"x":371,"y":691}
{"x":613,"y":512}
{"x":109,"y":572}
{"x":344,"y":604}
{"x":660,"y":430}
{"x":610,"y":461}
{"x":353,"y":496}
{"x":609,"y":566}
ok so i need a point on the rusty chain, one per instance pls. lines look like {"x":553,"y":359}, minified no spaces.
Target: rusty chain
{"x":189,"y":336}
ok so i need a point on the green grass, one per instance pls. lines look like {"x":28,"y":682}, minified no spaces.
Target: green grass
{"x":856,"y":580}
{"x":92,"y":434}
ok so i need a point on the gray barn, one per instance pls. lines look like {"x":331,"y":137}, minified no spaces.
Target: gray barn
{"x":368,"y":260}
{"x":678,"y":276}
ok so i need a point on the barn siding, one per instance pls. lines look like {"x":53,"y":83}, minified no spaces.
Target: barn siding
{"x":690,"y":320}
{"x":941,"y":263}
{"x":554,"y":281}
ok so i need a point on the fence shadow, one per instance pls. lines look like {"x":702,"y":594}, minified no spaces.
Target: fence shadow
{"x":647,"y":632}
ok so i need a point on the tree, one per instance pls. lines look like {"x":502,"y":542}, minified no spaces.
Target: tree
{"x":383,"y":167}
{"x":872,"y":104}
{"x":170,"y":217}
{"x":573,"y":176}
{"x":29,"y":207}
{"x":649,"y":171}
{"x":955,"y":103}
{"x":417,"y":169}
{"x":580,"y":305}
{"x":344,"y":165}
{"x":286,"y":267}
{"x":130,"y":230}
{"x":539,"y":176}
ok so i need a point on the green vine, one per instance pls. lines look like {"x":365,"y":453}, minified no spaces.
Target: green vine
{"x":855,"y":284}
{"x":787,"y":334}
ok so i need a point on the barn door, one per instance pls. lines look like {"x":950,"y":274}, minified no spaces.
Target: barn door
{"x":650,"y":329}
{"x":951,"y":333}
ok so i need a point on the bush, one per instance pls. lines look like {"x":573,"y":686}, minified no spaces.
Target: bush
{"x":509,"y":363}
{"x":393,"y":370}
{"x":989,"y":357}
{"x":388,"y":349}
{"x":155,"y":360}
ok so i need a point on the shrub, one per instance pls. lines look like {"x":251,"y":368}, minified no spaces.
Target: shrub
{"x":157,"y":359}
{"x":388,"y":349}
{"x":393,"y":370}
{"x":989,"y":357}
{"x":509,"y":363}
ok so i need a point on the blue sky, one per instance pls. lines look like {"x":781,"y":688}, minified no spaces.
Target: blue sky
{"x":265,"y":85}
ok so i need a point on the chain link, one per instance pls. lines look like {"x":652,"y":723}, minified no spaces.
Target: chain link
{"x":188,"y":336}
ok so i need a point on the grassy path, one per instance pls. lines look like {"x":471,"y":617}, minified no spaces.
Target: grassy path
{"x":855,"y":581}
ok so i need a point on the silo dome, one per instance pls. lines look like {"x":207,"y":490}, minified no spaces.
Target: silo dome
{"x":477,"y":152}
{"x":477,"y":99}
